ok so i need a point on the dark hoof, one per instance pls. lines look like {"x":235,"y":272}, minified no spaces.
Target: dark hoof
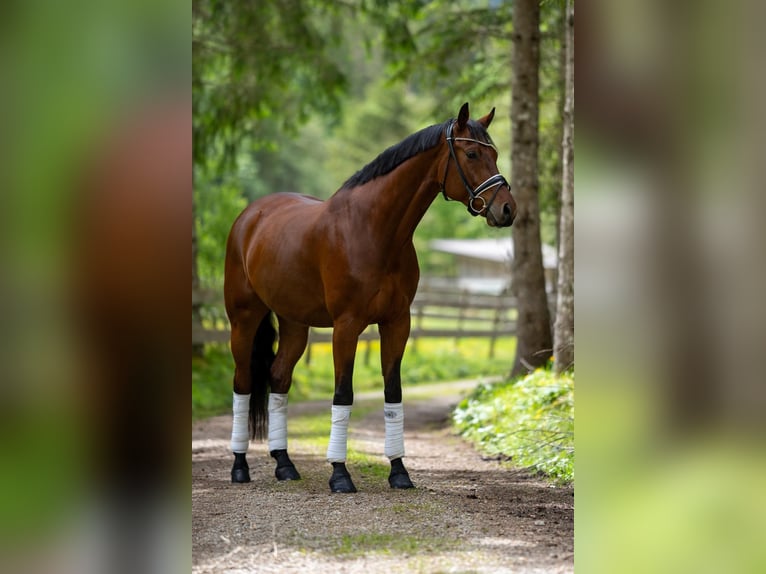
{"x":240,"y":475}
{"x":399,"y":477}
{"x":400,"y":480}
{"x":340,"y":481}
{"x":240,"y":472}
{"x":342,"y":484}
{"x":287,"y":473}
{"x":285,"y":468}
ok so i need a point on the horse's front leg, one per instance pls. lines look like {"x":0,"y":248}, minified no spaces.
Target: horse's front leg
{"x":344,"y":339}
{"x":393,"y":340}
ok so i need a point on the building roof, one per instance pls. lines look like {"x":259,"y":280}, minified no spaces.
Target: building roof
{"x":489,"y":249}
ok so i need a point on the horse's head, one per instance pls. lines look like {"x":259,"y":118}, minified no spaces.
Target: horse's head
{"x":474,"y":179}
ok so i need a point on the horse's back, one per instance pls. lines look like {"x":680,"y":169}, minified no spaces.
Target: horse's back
{"x":287,"y":198}
{"x":271,"y":212}
{"x":276,"y":203}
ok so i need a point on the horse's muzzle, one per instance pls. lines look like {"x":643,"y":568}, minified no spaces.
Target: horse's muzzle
{"x":500,"y":215}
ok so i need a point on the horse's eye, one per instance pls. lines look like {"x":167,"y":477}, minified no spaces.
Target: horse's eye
{"x":471,"y":154}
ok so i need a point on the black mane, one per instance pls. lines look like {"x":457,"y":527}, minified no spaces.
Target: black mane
{"x":410,"y":146}
{"x":397,"y":154}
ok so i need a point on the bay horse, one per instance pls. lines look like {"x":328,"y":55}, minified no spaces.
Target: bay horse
{"x":345,"y":263}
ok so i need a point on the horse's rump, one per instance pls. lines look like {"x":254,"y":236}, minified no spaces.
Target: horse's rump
{"x":277,"y":241}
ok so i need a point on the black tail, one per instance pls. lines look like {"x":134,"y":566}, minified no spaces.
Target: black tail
{"x":260,"y":373}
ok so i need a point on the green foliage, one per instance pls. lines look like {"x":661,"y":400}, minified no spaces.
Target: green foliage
{"x":460,"y":50}
{"x":382,"y":116}
{"x":295,"y":162}
{"x":255,"y":60}
{"x":530,"y":420}
{"x":212,"y":379}
{"x":217,"y":203}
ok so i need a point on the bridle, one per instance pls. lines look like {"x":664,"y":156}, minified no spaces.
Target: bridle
{"x":496,"y":181}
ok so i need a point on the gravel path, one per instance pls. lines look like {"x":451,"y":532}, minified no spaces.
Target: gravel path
{"x":467,"y":514}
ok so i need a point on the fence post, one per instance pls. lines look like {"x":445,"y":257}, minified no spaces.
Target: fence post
{"x":418,"y":324}
{"x":495,"y":328}
{"x":367,"y":351}
{"x":463,"y":305}
{"x":308,"y":347}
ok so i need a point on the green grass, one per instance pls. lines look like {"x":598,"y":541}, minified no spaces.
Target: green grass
{"x":365,"y":543}
{"x":530,"y":420}
{"x":432,"y":360}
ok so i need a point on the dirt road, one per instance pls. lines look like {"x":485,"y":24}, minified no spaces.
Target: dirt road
{"x":467,"y":514}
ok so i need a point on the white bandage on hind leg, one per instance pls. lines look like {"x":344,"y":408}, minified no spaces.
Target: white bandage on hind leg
{"x":277,"y":421}
{"x":336,"y":449}
{"x":393,"y":414}
{"x":240,"y":438}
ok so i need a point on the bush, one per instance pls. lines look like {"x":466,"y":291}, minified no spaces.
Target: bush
{"x":529,"y":420}
{"x":212,"y":378}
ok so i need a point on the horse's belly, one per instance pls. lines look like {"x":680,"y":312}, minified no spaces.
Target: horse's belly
{"x":282,"y":261}
{"x":300,"y":302}
{"x":315,"y":318}
{"x":297,"y":296}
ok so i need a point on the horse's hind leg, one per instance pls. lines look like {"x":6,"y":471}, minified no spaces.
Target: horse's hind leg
{"x":292,"y":342}
{"x":252,"y":347}
{"x":248,"y":325}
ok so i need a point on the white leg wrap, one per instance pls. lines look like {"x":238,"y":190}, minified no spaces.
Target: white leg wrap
{"x":394,"y":419}
{"x":240,"y":438}
{"x":336,"y":449}
{"x":277,"y":421}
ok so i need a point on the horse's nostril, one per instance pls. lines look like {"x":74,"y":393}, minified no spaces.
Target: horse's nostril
{"x":507,"y":214}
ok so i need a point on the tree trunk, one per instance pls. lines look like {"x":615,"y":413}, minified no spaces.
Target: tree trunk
{"x":562,"y":93}
{"x":563,"y":348}
{"x":197,"y":349}
{"x":534,"y":344}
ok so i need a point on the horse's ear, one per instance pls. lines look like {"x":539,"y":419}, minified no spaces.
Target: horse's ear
{"x":486,"y":120}
{"x":462,"y":117}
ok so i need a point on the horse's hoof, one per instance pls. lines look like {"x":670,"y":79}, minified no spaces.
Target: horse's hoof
{"x":240,"y":471}
{"x":399,"y":477}
{"x":285,"y":468}
{"x":400,"y":480}
{"x":287,"y":473}
{"x":340,"y":481}
{"x":342,"y":484}
{"x":240,"y":475}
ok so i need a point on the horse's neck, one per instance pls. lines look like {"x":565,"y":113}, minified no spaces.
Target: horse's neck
{"x":396,"y":202}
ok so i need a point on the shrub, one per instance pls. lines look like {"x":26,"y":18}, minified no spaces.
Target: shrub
{"x":528,"y":420}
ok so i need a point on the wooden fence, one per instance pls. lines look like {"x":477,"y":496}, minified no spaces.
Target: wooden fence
{"x":437,"y":312}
